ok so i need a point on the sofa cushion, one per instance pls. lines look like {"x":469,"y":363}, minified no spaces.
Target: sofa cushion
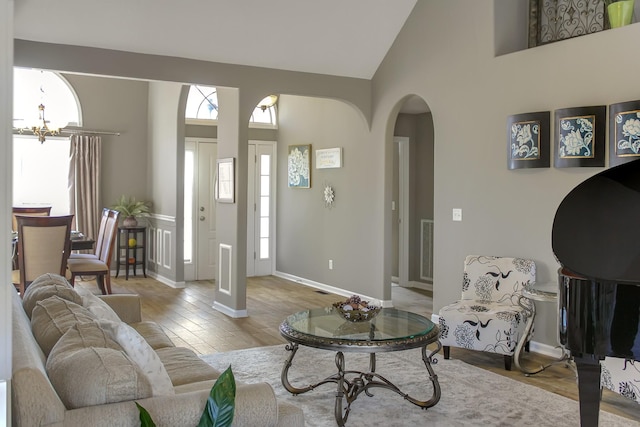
{"x":52,"y":317}
{"x":153,"y":334}
{"x":142,"y":355}
{"x":82,"y":335}
{"x":43,"y":290}
{"x":49,"y":279}
{"x":96,"y":375}
{"x":97,"y":307}
{"x":184,"y":366}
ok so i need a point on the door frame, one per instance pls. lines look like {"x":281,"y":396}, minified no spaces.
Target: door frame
{"x":273,"y":199}
{"x":190,"y":269}
{"x":403,"y":206}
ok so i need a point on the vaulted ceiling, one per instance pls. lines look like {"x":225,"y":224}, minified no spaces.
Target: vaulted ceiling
{"x":336,"y":37}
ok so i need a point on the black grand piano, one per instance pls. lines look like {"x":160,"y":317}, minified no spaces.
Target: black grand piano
{"x":596,"y":240}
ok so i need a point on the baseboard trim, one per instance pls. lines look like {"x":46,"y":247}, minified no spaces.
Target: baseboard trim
{"x":329,"y":288}
{"x":534,"y":346}
{"x":166,"y":281}
{"x":236,"y":314}
{"x":421,"y":285}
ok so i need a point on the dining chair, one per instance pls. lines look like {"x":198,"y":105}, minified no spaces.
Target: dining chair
{"x":99,"y":267}
{"x":30,"y":211}
{"x":99,"y":240}
{"x":43,"y":247}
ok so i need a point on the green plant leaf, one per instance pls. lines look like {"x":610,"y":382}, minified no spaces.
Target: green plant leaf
{"x":220,"y":407}
{"x":145,"y":417}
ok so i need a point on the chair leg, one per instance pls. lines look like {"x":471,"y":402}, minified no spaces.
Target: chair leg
{"x":446,"y":350}
{"x":100,"y":281}
{"x":507,"y":362}
{"x":108,"y":283}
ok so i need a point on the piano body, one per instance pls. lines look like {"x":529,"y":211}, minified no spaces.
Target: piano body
{"x":596,"y":240}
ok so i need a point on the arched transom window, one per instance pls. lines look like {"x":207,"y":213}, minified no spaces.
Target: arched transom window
{"x":202,"y":108}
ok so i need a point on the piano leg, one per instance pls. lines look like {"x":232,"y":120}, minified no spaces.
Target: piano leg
{"x":588,"y":390}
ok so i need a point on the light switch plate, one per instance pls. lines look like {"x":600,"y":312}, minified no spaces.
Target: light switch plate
{"x":457,"y":214}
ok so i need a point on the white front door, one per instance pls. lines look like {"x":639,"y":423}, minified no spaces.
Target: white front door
{"x":200,"y":210}
{"x":206,"y":212}
{"x":261,"y":209}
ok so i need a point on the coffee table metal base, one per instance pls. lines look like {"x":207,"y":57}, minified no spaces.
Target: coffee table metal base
{"x":352,"y":383}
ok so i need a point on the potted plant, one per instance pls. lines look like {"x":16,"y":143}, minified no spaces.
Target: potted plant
{"x":620,"y":12}
{"x":131,"y":209}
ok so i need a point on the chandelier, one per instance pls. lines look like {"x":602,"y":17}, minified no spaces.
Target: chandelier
{"x":42,"y":127}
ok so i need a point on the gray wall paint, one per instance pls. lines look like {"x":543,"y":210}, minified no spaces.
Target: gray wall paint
{"x":117,"y":105}
{"x":470,"y":93}
{"x":308,"y":233}
{"x":202,"y":131}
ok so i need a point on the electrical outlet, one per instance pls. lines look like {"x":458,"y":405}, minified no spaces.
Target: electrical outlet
{"x":330,"y":264}
{"x":457,"y":214}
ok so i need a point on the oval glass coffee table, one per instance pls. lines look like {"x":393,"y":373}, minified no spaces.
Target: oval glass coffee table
{"x":390,"y":330}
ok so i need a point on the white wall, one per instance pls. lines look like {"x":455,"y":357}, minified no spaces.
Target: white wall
{"x":445,"y":53}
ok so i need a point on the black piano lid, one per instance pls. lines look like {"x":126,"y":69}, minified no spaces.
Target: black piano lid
{"x":596,"y":230}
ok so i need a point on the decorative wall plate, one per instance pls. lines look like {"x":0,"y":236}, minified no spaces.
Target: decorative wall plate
{"x":329,"y":196}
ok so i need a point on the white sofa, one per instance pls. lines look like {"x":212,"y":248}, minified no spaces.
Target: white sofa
{"x":81,"y":360}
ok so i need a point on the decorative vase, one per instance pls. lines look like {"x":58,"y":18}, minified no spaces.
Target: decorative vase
{"x":130,"y":222}
{"x":620,"y":13}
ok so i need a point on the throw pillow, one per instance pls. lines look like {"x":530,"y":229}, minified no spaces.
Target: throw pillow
{"x":44,"y":290}
{"x":141,"y":353}
{"x":82,"y":335}
{"x":52,"y":317}
{"x":96,"y":376}
{"x":97,"y":307}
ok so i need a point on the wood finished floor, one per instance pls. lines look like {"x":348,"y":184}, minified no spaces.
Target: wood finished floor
{"x":188,"y":319}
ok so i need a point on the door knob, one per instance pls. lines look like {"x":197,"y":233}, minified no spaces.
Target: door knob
{"x":202,"y":218}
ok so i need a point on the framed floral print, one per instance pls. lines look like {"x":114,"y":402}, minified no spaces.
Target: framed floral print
{"x":528,"y":140}
{"x":624,"y":132}
{"x":580,"y":134}
{"x":299,"y":166}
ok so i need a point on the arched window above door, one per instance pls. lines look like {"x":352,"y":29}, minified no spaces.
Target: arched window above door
{"x":202,"y":108}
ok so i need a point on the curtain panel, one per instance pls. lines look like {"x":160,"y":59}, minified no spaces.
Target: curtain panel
{"x":84,"y":183}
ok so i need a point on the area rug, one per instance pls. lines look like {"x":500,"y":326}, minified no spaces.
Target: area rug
{"x":470,"y":396}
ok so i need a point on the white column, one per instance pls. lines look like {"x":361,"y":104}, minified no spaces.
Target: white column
{"x":6,"y":170}
{"x":231,"y":219}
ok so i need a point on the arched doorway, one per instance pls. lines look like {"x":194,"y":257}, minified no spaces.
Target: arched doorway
{"x":412,"y":201}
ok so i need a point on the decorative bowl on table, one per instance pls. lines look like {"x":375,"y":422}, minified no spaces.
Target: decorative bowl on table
{"x":356,"y":310}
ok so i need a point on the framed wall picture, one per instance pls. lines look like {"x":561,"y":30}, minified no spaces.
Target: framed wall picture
{"x":579,"y":137}
{"x":225,"y":180}
{"x":624,"y":132}
{"x":528,"y":140}
{"x":299,"y":166}
{"x":329,"y":158}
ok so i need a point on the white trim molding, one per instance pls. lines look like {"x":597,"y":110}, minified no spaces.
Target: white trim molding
{"x":225,"y":287}
{"x":229,"y":311}
{"x":164,"y":280}
{"x":331,"y":289}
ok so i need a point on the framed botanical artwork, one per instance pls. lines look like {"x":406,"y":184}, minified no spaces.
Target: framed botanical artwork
{"x":624,"y":132}
{"x":580,"y":134}
{"x":225,"y":180}
{"x":528,"y":140}
{"x":299,"y":166}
